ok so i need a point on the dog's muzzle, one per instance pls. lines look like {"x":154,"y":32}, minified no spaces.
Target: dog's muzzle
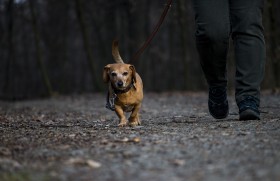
{"x":120,"y":84}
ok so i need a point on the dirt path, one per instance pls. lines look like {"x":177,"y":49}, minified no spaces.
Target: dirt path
{"x":76,"y":138}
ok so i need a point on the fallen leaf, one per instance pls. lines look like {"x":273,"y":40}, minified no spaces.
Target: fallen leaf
{"x":76,"y":161}
{"x":72,"y":135}
{"x":81,"y":161}
{"x":125,"y":140}
{"x":5,"y":151}
{"x":93,"y":164}
{"x":136,"y":140}
{"x":178,"y":162}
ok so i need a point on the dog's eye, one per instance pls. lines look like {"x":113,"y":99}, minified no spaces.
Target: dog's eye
{"x":113,"y":74}
{"x":125,"y":73}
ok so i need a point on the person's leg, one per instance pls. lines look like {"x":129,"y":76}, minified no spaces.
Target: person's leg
{"x":249,"y":45}
{"x":212,"y":40}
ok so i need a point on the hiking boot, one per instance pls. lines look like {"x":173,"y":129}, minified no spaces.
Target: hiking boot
{"x":217,"y":102}
{"x":248,"y":109}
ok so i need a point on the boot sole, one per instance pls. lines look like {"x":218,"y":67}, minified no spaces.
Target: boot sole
{"x":248,"y":114}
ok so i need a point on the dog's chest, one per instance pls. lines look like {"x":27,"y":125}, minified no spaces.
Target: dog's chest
{"x":127,"y":107}
{"x":127,"y":101}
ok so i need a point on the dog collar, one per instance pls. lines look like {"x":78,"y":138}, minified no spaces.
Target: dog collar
{"x":110,"y":104}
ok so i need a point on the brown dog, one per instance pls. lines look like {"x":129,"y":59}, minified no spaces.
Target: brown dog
{"x":125,"y":89}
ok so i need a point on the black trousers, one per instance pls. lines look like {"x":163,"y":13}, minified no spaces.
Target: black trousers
{"x":241,"y":20}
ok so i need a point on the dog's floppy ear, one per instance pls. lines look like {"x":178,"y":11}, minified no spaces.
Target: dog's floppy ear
{"x":106,"y":77}
{"x":132,"y":68}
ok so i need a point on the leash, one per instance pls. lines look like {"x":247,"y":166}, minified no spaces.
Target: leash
{"x":150,"y":38}
{"x":110,"y":104}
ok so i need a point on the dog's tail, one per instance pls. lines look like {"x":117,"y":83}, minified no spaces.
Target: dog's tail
{"x":115,"y":52}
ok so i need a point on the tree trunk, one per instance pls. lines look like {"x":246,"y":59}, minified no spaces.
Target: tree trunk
{"x":85,"y":34}
{"x":183,"y":38}
{"x":39,"y":54}
{"x":8,"y":87}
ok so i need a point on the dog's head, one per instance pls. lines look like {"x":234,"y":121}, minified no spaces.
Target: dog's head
{"x":120,"y":75}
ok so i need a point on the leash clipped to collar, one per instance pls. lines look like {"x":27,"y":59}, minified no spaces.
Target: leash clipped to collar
{"x":150,"y":38}
{"x":110,"y":104}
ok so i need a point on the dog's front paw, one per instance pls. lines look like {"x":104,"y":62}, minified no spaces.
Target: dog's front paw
{"x":134,"y":122}
{"x":122,"y":123}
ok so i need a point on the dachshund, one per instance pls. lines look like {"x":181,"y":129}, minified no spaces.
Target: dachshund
{"x":125,"y":89}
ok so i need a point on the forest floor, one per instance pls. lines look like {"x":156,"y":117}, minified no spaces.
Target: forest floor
{"x":74,"y":138}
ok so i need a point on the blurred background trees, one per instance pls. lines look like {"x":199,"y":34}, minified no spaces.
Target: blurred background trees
{"x":60,"y":47}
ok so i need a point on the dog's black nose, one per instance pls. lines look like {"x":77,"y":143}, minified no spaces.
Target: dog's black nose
{"x":120,"y":83}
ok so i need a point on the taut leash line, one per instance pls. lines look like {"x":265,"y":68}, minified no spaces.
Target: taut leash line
{"x":150,"y":38}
